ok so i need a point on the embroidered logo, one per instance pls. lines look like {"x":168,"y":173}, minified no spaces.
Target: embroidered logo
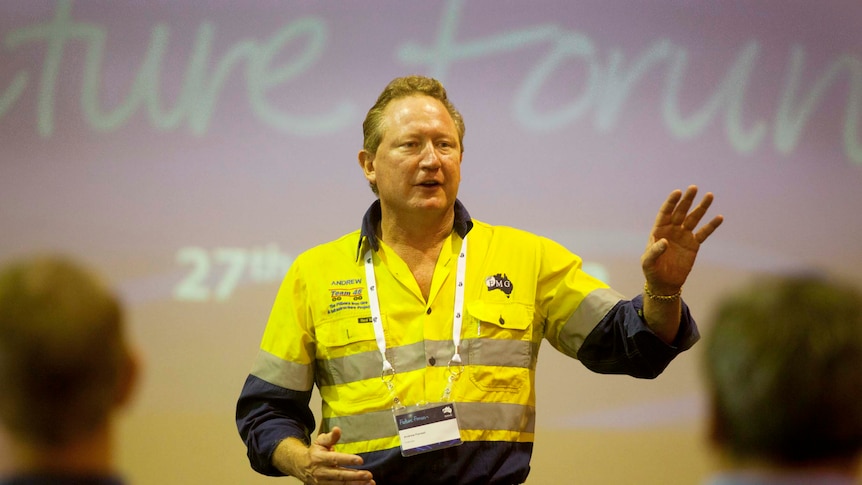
{"x":499,"y":282}
{"x":347,"y":294}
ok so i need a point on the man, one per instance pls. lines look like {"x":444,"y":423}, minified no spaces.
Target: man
{"x":65,"y":370}
{"x":425,"y":315}
{"x":783,"y":366}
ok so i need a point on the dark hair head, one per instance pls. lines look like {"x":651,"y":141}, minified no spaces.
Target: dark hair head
{"x":783,"y":363}
{"x":62,"y":350}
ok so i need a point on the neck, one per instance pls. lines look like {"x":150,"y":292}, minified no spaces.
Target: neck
{"x":421,"y":233}
{"x":87,"y":456}
{"x":417,"y":239}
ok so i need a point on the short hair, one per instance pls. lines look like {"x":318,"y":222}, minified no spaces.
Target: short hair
{"x":783,"y":364}
{"x":402,"y":87}
{"x":62,"y":351}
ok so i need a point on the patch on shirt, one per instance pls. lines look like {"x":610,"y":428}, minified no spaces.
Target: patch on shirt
{"x":347,"y":294}
{"x":339,"y":294}
{"x":499,"y":282}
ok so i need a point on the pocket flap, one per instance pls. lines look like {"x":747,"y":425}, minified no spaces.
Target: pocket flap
{"x":344,"y":331}
{"x":505,"y":315}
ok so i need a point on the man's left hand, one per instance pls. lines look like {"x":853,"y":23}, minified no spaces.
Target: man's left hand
{"x":673,"y":242}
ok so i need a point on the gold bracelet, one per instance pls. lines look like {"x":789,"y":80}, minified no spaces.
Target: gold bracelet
{"x":653,"y":296}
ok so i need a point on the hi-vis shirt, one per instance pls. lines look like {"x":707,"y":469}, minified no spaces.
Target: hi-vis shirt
{"x":520,"y":289}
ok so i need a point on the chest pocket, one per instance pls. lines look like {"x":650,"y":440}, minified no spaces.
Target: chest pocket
{"x":501,"y":350}
{"x":348,"y":358}
{"x":341,"y":332}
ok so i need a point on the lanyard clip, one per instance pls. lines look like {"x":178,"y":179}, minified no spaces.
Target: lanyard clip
{"x":456,"y":359}
{"x":388,"y":373}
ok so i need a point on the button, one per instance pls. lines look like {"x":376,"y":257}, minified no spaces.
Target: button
{"x":432,"y":361}
{"x":428,"y":311}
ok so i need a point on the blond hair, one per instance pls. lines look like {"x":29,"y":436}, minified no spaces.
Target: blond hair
{"x":402,"y":87}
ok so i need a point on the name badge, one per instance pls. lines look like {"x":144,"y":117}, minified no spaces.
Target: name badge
{"x":427,"y":428}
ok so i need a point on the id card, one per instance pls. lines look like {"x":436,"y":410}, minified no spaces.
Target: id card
{"x":427,"y":428}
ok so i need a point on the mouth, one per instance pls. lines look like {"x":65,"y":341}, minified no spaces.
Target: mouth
{"x":429,"y":183}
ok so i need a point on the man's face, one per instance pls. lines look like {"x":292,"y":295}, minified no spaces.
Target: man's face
{"x":417,"y":165}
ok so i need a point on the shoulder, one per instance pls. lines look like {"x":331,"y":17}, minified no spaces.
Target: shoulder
{"x":483,"y":231}
{"x":341,"y":250}
{"x":489,"y":230}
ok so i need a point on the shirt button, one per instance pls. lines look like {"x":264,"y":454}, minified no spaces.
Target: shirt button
{"x":428,"y":311}
{"x":432,"y":361}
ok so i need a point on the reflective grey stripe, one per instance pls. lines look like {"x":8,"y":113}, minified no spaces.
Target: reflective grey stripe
{"x":494,"y":352}
{"x":589,"y":313}
{"x":471,"y":416}
{"x":356,"y":367}
{"x":503,"y":416}
{"x":502,"y":353}
{"x":441,"y":350}
{"x":282,"y":373}
{"x":410,"y":357}
{"x":367,"y":365}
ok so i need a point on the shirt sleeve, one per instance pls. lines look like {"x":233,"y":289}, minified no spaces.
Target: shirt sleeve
{"x":267,"y":414}
{"x":274,"y":401}
{"x":588,"y":320}
{"x":623,"y":343}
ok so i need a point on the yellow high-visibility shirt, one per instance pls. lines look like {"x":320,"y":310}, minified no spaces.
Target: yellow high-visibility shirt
{"x":520,"y":289}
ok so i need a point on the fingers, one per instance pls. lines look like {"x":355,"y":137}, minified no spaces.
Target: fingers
{"x":681,"y":210}
{"x":693,"y":218}
{"x":675,"y":211}
{"x":708,"y":229}
{"x":666,"y":210}
{"x":343,"y":476}
{"x":332,"y":467}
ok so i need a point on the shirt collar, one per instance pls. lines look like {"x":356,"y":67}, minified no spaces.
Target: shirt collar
{"x":461,"y":224}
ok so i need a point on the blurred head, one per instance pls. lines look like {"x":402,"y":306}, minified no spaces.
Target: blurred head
{"x":375,"y":124}
{"x":64,"y":362}
{"x":783,"y":364}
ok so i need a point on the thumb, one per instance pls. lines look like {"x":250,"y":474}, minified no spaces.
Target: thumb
{"x":328,"y":440}
{"x":653,"y":251}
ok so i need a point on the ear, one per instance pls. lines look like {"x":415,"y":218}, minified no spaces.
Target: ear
{"x":129,"y":376}
{"x":366,"y":161}
{"x":716,"y":431}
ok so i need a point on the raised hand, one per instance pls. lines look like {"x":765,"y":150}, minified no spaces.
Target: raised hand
{"x":673,"y":242}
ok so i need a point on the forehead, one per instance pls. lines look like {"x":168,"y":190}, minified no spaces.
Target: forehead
{"x":417,"y":113}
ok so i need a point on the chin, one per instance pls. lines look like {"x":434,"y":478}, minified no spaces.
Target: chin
{"x":433,"y":204}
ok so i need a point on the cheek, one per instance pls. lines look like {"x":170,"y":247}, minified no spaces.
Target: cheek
{"x":453,"y":166}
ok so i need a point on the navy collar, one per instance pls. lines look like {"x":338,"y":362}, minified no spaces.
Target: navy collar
{"x":462,"y":225}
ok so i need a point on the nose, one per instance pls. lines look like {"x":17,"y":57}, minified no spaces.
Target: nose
{"x":430,"y":157}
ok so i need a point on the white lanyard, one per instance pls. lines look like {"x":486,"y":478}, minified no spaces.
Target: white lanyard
{"x":388,"y":372}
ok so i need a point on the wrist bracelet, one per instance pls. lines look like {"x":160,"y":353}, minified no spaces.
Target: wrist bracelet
{"x":653,"y":296}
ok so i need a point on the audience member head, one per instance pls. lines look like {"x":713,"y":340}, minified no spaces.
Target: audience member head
{"x":65,"y":365}
{"x":783,"y":365}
